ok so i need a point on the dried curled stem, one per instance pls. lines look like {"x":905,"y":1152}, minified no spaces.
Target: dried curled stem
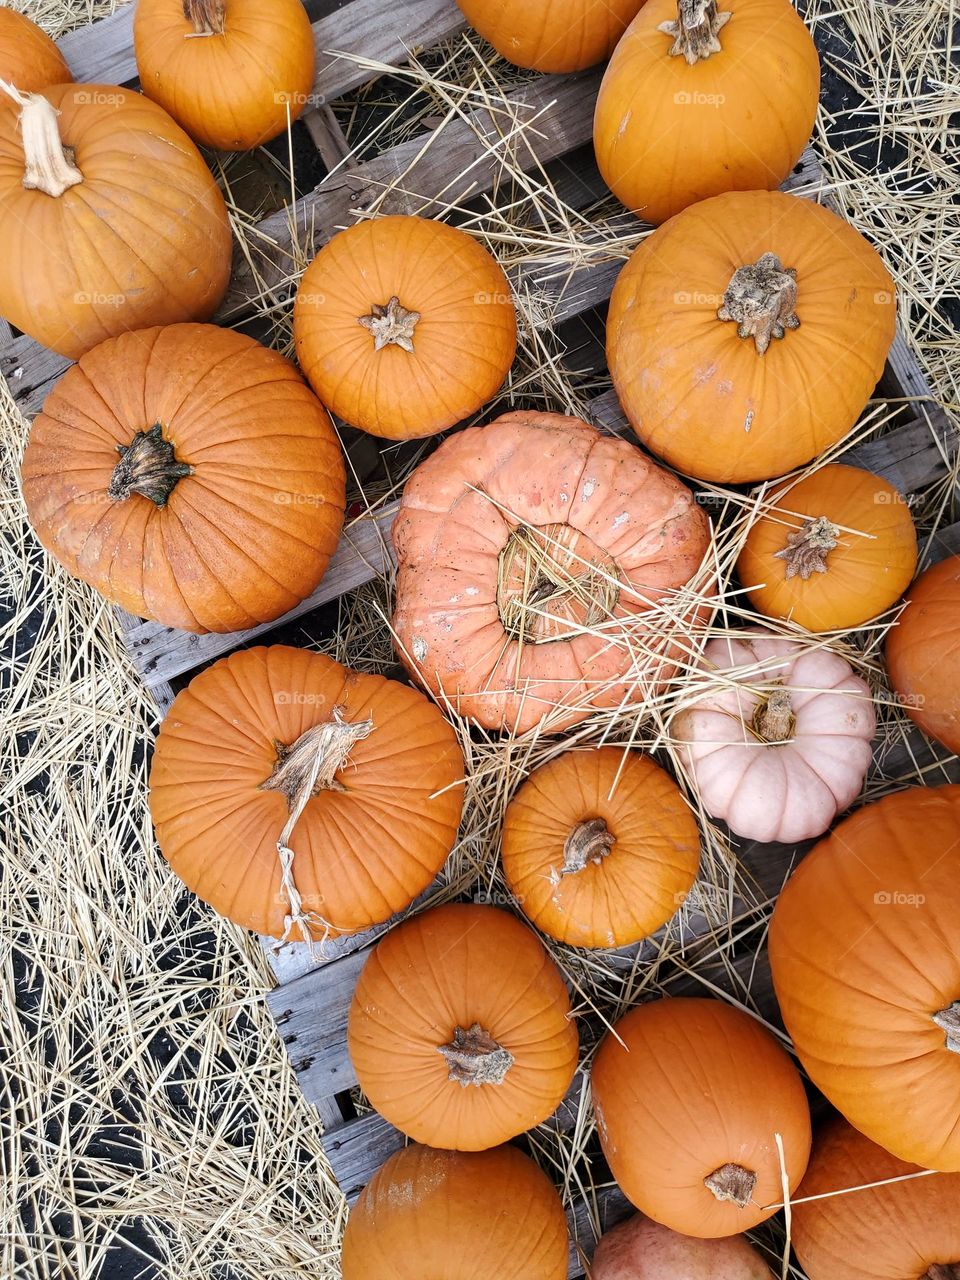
{"x":762,"y":298}
{"x":588,"y":842}
{"x":48,"y":164}
{"x":207,"y":17}
{"x":942,"y":1271}
{"x":948,"y":1020}
{"x":474,"y":1057}
{"x":695,"y":31}
{"x":773,"y":719}
{"x":732,"y":1183}
{"x":391,"y":323}
{"x":148,"y":465}
{"x":807,"y":549}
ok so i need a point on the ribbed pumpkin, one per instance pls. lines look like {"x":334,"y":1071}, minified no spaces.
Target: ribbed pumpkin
{"x":690,"y":1095}
{"x":641,"y":1249}
{"x":460,"y":1029}
{"x":701,"y":98}
{"x":745,"y":336}
{"x":865,"y":953}
{"x":77,"y":191}
{"x":230,"y":72}
{"x":831,"y":551}
{"x":190,"y":475}
{"x":298,"y":797}
{"x":28,"y":57}
{"x":908,"y":1228}
{"x":923,"y":653}
{"x":404,"y":326}
{"x":457,"y":1215}
{"x":532,"y":554}
{"x":599,"y":848}
{"x":552,"y":35}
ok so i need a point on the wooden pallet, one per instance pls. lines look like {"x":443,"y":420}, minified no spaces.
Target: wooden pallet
{"x":460,"y":164}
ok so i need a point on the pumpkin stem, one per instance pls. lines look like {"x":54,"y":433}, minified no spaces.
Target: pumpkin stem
{"x":148,"y":466}
{"x":695,"y":29}
{"x":949,"y":1021}
{"x":48,"y":165}
{"x":773,"y":719}
{"x":762,"y":297}
{"x":589,"y":842}
{"x":942,"y":1271}
{"x":311,"y":764}
{"x":732,"y":1183}
{"x":206,"y":16}
{"x":806,"y":551}
{"x":474,"y":1057}
{"x":391,"y":323}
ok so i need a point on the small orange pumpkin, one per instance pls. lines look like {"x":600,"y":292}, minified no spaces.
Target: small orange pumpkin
{"x":552,"y":35}
{"x":923,"y":653}
{"x":300,"y":798}
{"x":29,"y":59}
{"x":599,"y":848}
{"x":404,"y":326}
{"x":459,"y":1215}
{"x":460,"y":1029}
{"x":831,"y":551}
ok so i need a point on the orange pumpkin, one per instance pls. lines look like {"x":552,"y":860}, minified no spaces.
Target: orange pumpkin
{"x":189,"y":475}
{"x":701,"y":98}
{"x":923,"y":653}
{"x":532,"y":556}
{"x":552,"y":35}
{"x":109,"y":218}
{"x":690,"y":1095}
{"x":404,"y":326}
{"x":300,"y":798}
{"x":459,"y":1215}
{"x":460,"y":1028}
{"x":831,"y":551}
{"x":28,"y":57}
{"x":230,"y":72}
{"x":599,"y":848}
{"x":745,"y":336}
{"x":865,"y":954}
{"x":843,"y":1234}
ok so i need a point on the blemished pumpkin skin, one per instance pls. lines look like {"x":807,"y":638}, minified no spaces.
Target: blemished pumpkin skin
{"x":404,"y":326}
{"x":779,"y":742}
{"x":641,"y":1249}
{"x":189,"y":475}
{"x":749,"y":397}
{"x":831,"y":551}
{"x":908,"y":1230}
{"x":865,"y":953}
{"x":29,"y":59}
{"x":232,"y":761}
{"x":78,"y":266}
{"x":552,"y":35}
{"x":723,"y":102}
{"x":599,"y":847}
{"x":511,"y":537}
{"x":460,"y":1029}
{"x":457,"y":1215}
{"x":230,"y":72}
{"x":689,"y":1095}
{"x":923,"y":653}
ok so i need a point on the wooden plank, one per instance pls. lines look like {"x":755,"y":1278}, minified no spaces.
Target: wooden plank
{"x":103,"y":51}
{"x":608,"y":1207}
{"x":312,"y":1014}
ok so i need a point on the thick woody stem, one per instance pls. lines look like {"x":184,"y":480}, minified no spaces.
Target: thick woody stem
{"x":391,"y":323}
{"x":762,"y":298}
{"x":773,"y":720}
{"x":942,"y":1271}
{"x":806,"y":550}
{"x":589,"y":842}
{"x":206,"y":16}
{"x":732,"y":1183}
{"x":948,"y":1020}
{"x":474,"y":1057}
{"x":148,"y":466}
{"x":695,"y":30}
{"x":47,"y":165}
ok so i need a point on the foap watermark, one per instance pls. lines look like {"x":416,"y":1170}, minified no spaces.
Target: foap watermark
{"x":286,"y":499}
{"x":897,"y":898}
{"x":483,"y":299}
{"x":299,"y":698}
{"x":696,"y":299}
{"x":311,"y":299}
{"x":915,"y":701}
{"x":300,"y":100}
{"x":98,"y":98}
{"x":100,"y":299}
{"x":497,"y":898}
{"x":893,"y":497}
{"x":687,"y":99}
{"x":883,"y":297}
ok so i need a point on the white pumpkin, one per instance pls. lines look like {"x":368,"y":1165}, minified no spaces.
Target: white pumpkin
{"x":641,"y":1249}
{"x":776,"y":741}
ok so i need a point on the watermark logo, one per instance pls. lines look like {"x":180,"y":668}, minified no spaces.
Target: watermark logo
{"x":312,"y":299}
{"x":883,"y":298}
{"x":295,"y":99}
{"x":98,"y":98}
{"x":298,"y":698}
{"x":497,"y":898}
{"x":493,"y":299}
{"x":685,"y":99}
{"x":696,"y":299}
{"x":895,"y":898}
{"x":895,"y":497}
{"x":914,"y":700}
{"x":100,"y":299}
{"x":287,"y":499}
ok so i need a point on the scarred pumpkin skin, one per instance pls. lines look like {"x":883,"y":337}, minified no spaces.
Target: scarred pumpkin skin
{"x":599,"y":847}
{"x":641,"y":1249}
{"x":29,"y":59}
{"x":923,"y":653}
{"x":456,"y":1215}
{"x":552,"y":35}
{"x":853,"y":1237}
{"x":509,"y":538}
{"x":382,"y":817}
{"x":251,"y":499}
{"x":230,"y":72}
{"x":689,"y":1096}
{"x":460,"y":1029}
{"x":711,"y":402}
{"x":831,"y":551}
{"x":670,"y":132}
{"x":865,"y":953}
{"x":404,"y":326}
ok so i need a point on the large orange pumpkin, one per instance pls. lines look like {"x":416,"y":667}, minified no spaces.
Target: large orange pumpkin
{"x":865,"y":954}
{"x":28,"y":57}
{"x":831,"y":551}
{"x":188,"y":474}
{"x":404,"y":326}
{"x":908,"y":1228}
{"x":300,"y":798}
{"x":458,"y":1215}
{"x":230,"y":72}
{"x":109,"y":218}
{"x":701,"y":98}
{"x":923,"y":653}
{"x":745,"y":336}
{"x":599,"y":847}
{"x":460,"y":1028}
{"x":532,"y":555}
{"x":690,"y":1095}
{"x":552,"y":35}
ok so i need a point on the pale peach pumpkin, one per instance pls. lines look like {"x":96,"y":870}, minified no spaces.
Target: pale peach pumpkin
{"x":641,"y":1249}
